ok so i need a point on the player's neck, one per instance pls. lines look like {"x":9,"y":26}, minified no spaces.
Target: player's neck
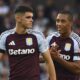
{"x":20,"y":29}
{"x":66,"y":35}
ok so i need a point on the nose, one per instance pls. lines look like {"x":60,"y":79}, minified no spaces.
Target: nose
{"x":31,"y":20}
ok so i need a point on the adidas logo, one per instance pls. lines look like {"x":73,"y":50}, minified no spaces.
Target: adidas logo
{"x":12,"y":43}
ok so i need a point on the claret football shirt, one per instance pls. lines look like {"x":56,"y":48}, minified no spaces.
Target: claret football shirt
{"x":70,"y":51}
{"x":23,"y":52}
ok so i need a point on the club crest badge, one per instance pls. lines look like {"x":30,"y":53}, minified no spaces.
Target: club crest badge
{"x":67,"y":47}
{"x":29,"y":41}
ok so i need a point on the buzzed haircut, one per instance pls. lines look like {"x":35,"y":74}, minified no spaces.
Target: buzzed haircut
{"x":23,"y":9}
{"x":70,"y":15}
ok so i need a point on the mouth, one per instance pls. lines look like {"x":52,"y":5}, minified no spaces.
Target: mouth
{"x":59,"y":29}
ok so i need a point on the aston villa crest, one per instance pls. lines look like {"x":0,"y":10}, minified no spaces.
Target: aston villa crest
{"x":67,"y":47}
{"x":29,"y":41}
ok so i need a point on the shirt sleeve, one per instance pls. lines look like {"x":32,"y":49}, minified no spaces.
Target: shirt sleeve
{"x":2,"y":43}
{"x":48,"y":40}
{"x":76,"y":56}
{"x":43,"y":45}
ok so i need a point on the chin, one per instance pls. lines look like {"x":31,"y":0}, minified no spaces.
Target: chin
{"x":61,"y":32}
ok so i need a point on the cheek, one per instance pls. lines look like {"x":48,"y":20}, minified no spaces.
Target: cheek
{"x":66,"y":28}
{"x":25,"y":22}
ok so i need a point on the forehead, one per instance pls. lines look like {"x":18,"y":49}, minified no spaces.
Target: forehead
{"x":62,"y":16}
{"x":28,"y":14}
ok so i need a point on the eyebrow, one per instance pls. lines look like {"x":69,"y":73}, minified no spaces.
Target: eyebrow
{"x":29,"y":16}
{"x":62,"y":20}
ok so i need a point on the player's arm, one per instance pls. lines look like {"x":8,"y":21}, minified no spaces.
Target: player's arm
{"x":1,"y":56}
{"x":2,"y":45}
{"x":73,"y":67}
{"x":2,"y":53}
{"x":43,"y":49}
{"x":50,"y":64}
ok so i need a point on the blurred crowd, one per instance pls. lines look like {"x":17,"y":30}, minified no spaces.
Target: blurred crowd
{"x":45,"y":12}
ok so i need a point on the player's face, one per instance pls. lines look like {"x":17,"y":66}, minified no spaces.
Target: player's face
{"x":27,"y":20}
{"x":63,"y":24}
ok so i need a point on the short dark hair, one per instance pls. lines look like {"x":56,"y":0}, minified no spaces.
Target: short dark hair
{"x":23,"y":9}
{"x":70,"y":15}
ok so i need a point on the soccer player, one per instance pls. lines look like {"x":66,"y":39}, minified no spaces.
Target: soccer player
{"x":65,"y":48}
{"x":23,"y":45}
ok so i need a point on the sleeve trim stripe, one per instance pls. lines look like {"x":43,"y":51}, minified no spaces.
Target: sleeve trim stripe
{"x":76,"y":54}
{"x":2,"y":51}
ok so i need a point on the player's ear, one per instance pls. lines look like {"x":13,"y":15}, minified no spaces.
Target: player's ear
{"x":18,"y":18}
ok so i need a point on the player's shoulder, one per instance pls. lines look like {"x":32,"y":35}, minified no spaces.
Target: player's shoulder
{"x":76,"y":37}
{"x":7,"y":32}
{"x":73,"y":34}
{"x":37,"y":33}
{"x":51,"y":35}
{"x":54,"y":34}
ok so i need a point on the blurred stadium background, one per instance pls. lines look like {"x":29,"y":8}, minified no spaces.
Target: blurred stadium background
{"x":44,"y":19}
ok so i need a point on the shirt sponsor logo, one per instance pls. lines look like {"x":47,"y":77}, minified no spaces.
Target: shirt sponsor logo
{"x":67,"y":47}
{"x":66,"y":57}
{"x":21,"y":51}
{"x":29,"y":41}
